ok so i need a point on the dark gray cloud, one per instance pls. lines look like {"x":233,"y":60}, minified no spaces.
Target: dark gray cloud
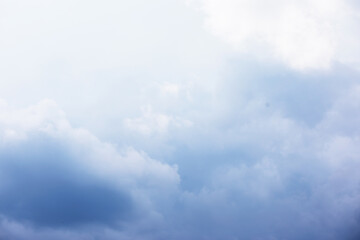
{"x":42,"y":184}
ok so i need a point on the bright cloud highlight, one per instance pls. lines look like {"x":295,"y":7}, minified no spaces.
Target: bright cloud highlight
{"x":305,"y":35}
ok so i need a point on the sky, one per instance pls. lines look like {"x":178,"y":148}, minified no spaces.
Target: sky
{"x":179,"y":119}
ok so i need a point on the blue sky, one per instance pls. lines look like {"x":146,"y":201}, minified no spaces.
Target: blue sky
{"x":174,"y":119}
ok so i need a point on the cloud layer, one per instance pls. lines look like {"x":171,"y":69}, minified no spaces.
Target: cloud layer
{"x":159,"y":130}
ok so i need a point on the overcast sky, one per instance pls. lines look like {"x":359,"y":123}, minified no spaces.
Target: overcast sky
{"x":179,"y":119}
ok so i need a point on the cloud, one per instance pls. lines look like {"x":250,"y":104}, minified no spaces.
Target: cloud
{"x":59,"y":177}
{"x":266,"y":174}
{"x":254,"y":172}
{"x":235,"y":149}
{"x":305,"y":35}
{"x":155,"y":123}
{"x":42,"y":184}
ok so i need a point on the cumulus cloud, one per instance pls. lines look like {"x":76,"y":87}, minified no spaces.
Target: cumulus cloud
{"x":235,"y":149}
{"x":304,"y":35}
{"x":253,"y":174}
{"x":268,"y":174}
{"x":56,"y":176}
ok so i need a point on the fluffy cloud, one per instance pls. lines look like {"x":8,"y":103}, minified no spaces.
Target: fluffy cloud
{"x":268,"y":174}
{"x":304,"y":35}
{"x":262,"y":151}
{"x":255,"y":172}
{"x":56,"y":176}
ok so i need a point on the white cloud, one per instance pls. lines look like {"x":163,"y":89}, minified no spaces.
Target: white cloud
{"x":151,"y":123}
{"x":17,"y":124}
{"x":102,"y":157}
{"x":304,"y":35}
{"x":170,"y":89}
